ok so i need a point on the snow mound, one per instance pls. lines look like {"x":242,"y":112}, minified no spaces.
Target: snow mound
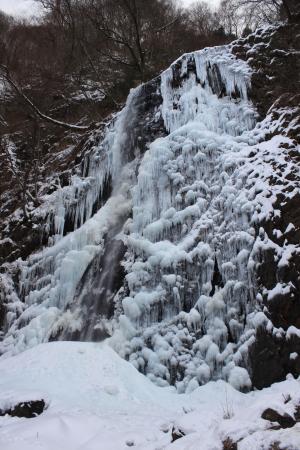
{"x":98,"y":401}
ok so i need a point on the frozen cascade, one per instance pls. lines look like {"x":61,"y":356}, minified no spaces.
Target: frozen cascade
{"x":183,"y":229}
{"x":100,"y":172}
{"x":189,"y":266}
{"x":50,"y":278}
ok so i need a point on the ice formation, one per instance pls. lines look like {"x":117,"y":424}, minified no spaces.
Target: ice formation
{"x":185,"y":208}
{"x":189,"y":266}
{"x":49,"y":279}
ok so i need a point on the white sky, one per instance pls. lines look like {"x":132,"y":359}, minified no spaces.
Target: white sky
{"x":189,"y":2}
{"x":27,"y":8}
{"x":21,"y":8}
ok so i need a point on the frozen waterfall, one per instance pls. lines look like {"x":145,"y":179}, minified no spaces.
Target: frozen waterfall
{"x":160,"y":254}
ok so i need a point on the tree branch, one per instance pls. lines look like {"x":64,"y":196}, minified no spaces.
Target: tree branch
{"x":19,"y":91}
{"x":14,"y":171}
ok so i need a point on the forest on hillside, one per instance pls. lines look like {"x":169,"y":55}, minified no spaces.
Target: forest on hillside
{"x":71,"y":67}
{"x":78,"y":60}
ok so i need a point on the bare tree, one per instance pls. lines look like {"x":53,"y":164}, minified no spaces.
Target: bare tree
{"x":270,"y":6}
{"x":79,"y":48}
{"x":122,"y":32}
{"x":202,"y":18}
{"x":130,"y":29}
{"x":20,"y":177}
{"x":238,"y":15}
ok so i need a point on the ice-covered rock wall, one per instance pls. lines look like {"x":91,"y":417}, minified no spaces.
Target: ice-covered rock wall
{"x":157,"y":240}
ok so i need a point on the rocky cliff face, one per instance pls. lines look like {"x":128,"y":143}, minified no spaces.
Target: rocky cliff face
{"x":274,"y":56}
{"x":176,"y":231}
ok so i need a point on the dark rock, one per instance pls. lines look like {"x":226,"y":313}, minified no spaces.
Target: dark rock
{"x":27,"y":410}
{"x":217,"y":279}
{"x":275,"y":63}
{"x":228,"y":444}
{"x":297,"y":413}
{"x":177,"y":434}
{"x":285,"y":421}
{"x":269,"y":355}
{"x":215,"y":80}
{"x":269,"y":358}
{"x":276,"y":446}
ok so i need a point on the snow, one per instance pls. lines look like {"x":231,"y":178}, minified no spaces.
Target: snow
{"x":96,"y":400}
{"x":278,"y":290}
{"x":292,"y":331}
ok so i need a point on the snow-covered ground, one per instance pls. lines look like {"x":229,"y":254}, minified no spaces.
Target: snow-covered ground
{"x":98,"y":401}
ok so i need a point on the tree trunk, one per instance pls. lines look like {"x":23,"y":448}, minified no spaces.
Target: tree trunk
{"x":287,"y":10}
